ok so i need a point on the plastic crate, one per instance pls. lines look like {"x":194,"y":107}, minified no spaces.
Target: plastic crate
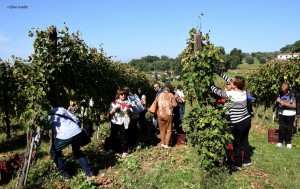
{"x":231,"y":155}
{"x":177,"y":139}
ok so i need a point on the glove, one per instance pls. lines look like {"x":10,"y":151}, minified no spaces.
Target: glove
{"x":117,"y":109}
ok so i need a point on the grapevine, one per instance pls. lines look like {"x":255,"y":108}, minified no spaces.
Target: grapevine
{"x":264,"y":83}
{"x":63,"y":68}
{"x":205,"y":126}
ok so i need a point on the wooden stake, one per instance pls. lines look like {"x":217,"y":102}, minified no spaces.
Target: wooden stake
{"x":197,"y":42}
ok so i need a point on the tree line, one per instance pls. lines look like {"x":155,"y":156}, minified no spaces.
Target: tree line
{"x":151,"y":64}
{"x":169,"y":67}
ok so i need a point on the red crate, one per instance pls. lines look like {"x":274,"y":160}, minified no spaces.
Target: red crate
{"x":231,"y":155}
{"x":177,"y":139}
{"x":5,"y":172}
{"x":180,"y":139}
{"x":273,"y":135}
{"x":8,"y":168}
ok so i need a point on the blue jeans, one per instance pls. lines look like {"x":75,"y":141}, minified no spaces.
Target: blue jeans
{"x":58,"y":145}
{"x":181,"y":110}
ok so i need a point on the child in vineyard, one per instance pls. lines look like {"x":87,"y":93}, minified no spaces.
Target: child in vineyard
{"x":287,"y":112}
{"x":239,"y":118}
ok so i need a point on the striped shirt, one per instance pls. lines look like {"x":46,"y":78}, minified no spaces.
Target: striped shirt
{"x":225,"y":77}
{"x":237,"y":106}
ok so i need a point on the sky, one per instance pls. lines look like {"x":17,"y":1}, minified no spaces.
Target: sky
{"x":131,"y":29}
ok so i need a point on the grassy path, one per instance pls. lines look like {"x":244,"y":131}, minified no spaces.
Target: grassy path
{"x":271,"y":167}
{"x":154,"y":167}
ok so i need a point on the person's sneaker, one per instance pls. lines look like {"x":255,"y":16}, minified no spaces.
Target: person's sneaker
{"x":167,"y":147}
{"x":124,"y":155}
{"x":289,"y":145}
{"x":90,"y":176}
{"x":237,"y":168}
{"x":246,"y":164}
{"x":279,"y":145}
{"x":66,"y":176}
{"x":163,"y":145}
{"x":138,"y":147}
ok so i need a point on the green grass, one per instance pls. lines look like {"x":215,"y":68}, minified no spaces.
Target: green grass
{"x":241,"y":70}
{"x":245,"y":66}
{"x":179,"y":167}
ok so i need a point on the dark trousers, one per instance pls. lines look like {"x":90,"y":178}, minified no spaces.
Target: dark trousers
{"x":240,"y":134}
{"x":56,"y":149}
{"x":142,"y":122}
{"x":286,"y":124}
{"x":133,"y":133}
{"x":177,"y":118}
{"x":114,"y":131}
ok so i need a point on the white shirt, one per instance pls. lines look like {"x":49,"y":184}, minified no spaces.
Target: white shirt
{"x":287,"y":112}
{"x":120,"y":117}
{"x":180,"y":94}
{"x":65,"y":128}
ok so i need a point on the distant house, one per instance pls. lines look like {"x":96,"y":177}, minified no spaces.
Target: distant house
{"x":287,"y":56}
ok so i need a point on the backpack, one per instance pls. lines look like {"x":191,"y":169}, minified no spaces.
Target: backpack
{"x":136,"y":104}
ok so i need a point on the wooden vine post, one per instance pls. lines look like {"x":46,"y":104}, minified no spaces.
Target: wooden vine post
{"x":197,"y":47}
{"x":54,"y":99}
{"x":52,"y":52}
{"x":197,"y":41}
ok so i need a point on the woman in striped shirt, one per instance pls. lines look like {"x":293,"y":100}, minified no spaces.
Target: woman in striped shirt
{"x":239,"y":117}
